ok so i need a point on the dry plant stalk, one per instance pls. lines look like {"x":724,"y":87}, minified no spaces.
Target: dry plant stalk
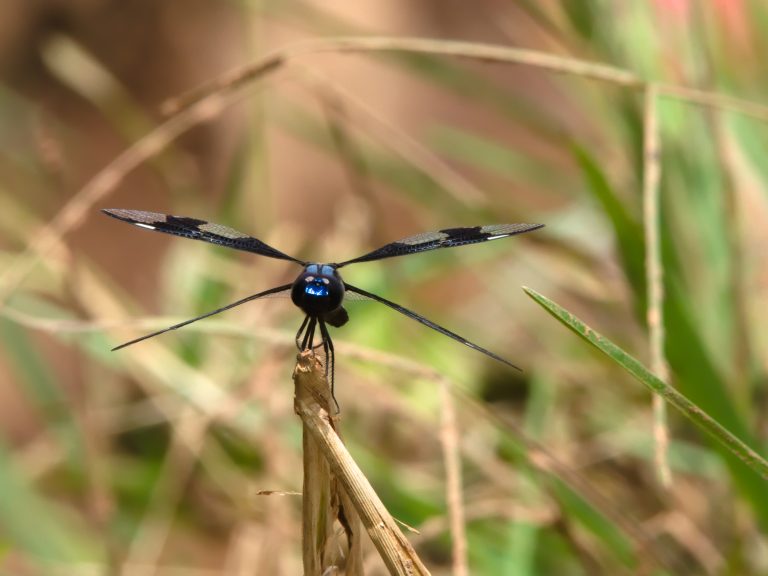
{"x":323,"y":501}
{"x":655,"y":276}
{"x":336,"y":489}
{"x":449,"y":439}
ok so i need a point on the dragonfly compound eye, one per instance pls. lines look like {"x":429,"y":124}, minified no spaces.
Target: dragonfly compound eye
{"x":318,"y":290}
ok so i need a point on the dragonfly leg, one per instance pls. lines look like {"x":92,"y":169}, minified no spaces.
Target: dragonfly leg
{"x":305,"y":345}
{"x":330,"y":360}
{"x":301,"y":331}
{"x":309,"y":334}
{"x":305,"y":341}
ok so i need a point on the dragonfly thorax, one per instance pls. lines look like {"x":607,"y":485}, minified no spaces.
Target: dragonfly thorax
{"x":318,"y":290}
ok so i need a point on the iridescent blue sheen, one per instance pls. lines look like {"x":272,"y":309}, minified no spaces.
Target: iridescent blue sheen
{"x":319,"y":291}
{"x":320,"y":269}
{"x":313,"y":289}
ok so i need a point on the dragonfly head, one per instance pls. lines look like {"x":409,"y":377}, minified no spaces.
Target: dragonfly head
{"x":318,"y":290}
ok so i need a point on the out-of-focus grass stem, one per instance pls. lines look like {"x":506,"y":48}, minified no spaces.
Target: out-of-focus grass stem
{"x":208,"y":101}
{"x":449,"y":438}
{"x":654,"y":272}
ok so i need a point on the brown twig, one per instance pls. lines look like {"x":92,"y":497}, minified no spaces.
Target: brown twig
{"x":471,"y":50}
{"x":713,"y":100}
{"x":323,"y":501}
{"x":468,"y":50}
{"x":311,"y":395}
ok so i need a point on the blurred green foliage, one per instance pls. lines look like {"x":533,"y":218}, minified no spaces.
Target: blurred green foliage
{"x":152,"y":456}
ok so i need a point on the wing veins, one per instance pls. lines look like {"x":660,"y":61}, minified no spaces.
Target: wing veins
{"x":269,"y":292}
{"x":426,"y":322}
{"x":447,"y":238}
{"x":198,"y":230}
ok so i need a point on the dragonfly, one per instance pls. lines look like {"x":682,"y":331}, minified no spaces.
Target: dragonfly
{"x":319,"y":290}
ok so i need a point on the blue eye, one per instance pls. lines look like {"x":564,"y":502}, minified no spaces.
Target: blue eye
{"x":316,"y":290}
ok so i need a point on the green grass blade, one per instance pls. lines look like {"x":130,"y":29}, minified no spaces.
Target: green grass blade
{"x":629,"y":232}
{"x":675,"y":398}
{"x":36,"y":526}
{"x":42,"y":388}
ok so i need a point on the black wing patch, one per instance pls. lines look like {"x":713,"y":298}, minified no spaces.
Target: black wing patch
{"x":270,"y":292}
{"x":426,"y":322}
{"x":443,"y":239}
{"x":198,"y":230}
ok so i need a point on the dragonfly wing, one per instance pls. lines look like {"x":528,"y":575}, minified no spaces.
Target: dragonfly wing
{"x":285,"y":288}
{"x":447,"y":238}
{"x":198,"y":230}
{"x":419,"y":318}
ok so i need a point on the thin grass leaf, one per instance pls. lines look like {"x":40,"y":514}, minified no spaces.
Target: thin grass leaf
{"x":580,"y":507}
{"x":402,"y":177}
{"x":497,"y":158}
{"x":738,"y":448}
{"x":582,"y":512}
{"x":691,"y":364}
{"x":35,"y":525}
{"x":40,"y":385}
{"x":629,"y":232}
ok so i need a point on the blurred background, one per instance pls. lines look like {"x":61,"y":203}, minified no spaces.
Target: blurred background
{"x":150,"y":460}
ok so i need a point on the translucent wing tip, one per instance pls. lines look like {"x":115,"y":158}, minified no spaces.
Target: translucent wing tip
{"x":134,"y":215}
{"x":117,"y":212}
{"x":510,"y":229}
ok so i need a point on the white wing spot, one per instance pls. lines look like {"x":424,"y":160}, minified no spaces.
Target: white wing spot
{"x":496,"y":237}
{"x":147,"y":226}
